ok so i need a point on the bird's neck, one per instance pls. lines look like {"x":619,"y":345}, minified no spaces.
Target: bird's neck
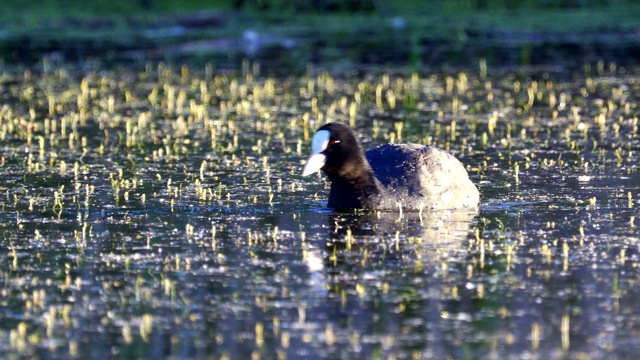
{"x":359,"y":189}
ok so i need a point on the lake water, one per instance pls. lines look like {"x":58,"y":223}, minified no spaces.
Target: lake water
{"x":158,"y":211}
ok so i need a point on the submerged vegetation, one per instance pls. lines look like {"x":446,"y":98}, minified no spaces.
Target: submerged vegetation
{"x":158,"y":210}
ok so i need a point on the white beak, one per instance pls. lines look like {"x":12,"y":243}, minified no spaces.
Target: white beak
{"x":314,"y":163}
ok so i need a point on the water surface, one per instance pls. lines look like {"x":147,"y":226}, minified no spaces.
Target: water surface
{"x":159,"y":211}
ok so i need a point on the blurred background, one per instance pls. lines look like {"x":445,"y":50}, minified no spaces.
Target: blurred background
{"x":290,"y":34}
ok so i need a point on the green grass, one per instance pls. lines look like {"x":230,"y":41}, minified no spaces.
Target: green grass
{"x":17,"y":13}
{"x":514,"y":15}
{"x":65,"y":21}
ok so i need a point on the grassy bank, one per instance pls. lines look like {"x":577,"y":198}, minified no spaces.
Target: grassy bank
{"x":412,"y":31}
{"x":517,"y":15}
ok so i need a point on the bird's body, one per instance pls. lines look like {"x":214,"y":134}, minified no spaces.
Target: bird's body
{"x":409,"y":176}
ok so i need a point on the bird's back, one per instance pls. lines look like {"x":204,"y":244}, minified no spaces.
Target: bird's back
{"x":421,"y":176}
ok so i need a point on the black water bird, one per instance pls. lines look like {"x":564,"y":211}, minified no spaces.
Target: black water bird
{"x":392,"y":176}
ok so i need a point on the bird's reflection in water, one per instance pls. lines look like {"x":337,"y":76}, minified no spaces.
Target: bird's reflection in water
{"x":357,"y":243}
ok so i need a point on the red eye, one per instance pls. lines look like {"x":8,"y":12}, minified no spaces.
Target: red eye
{"x":333,"y":142}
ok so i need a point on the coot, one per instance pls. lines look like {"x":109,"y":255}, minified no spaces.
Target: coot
{"x":410,"y":176}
